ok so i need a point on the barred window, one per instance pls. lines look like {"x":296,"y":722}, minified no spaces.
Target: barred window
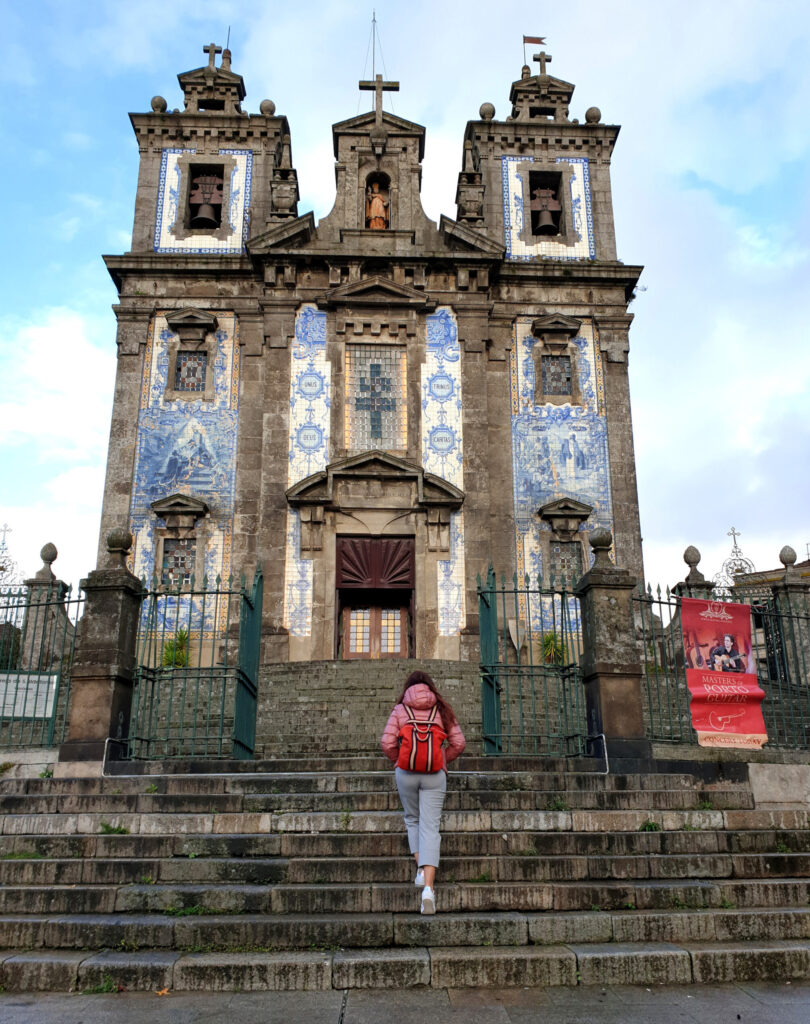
{"x":178,"y":561}
{"x":565,"y":560}
{"x":375,"y":407}
{"x":556,"y":375}
{"x":190,"y":372}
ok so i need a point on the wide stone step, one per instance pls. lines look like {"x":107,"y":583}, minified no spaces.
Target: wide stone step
{"x":436,"y":966}
{"x":348,"y":844}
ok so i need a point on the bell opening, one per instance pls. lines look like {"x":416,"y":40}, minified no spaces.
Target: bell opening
{"x":205,"y":197}
{"x":545,"y":202}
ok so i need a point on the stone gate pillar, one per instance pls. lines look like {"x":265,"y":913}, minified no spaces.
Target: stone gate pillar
{"x":103,"y":669}
{"x":611,"y":663}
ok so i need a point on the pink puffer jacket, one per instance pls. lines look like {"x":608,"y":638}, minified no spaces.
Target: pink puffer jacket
{"x":420,"y":699}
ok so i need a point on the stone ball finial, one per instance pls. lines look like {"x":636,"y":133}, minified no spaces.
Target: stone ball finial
{"x":48,"y":554}
{"x":593,"y":115}
{"x":486,"y":111}
{"x":119,"y":542}
{"x":159,"y":105}
{"x":601,"y":540}
{"x":691,"y":556}
{"x":267,"y":107}
{"x":525,"y":71}
{"x":787,"y":556}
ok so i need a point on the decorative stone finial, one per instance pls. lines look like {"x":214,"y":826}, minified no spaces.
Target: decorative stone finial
{"x":159,"y":105}
{"x":787,"y":556}
{"x":593,"y":115}
{"x":267,"y":107}
{"x":525,"y":71}
{"x":119,"y":542}
{"x":226,"y":60}
{"x":601,"y":540}
{"x":487,"y":111}
{"x":691,"y":556}
{"x":48,"y":554}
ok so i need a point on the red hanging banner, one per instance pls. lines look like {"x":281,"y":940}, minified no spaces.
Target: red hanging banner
{"x":726,"y":704}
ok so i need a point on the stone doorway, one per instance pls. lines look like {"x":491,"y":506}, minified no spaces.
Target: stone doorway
{"x":374,"y":581}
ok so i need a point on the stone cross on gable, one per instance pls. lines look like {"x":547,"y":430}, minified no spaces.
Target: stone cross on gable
{"x":379,"y":87}
{"x":212,"y":50}
{"x":542,"y":59}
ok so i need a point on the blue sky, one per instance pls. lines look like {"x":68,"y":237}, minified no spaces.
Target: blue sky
{"x":711,"y":179}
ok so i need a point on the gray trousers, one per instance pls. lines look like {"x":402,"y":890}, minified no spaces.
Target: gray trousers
{"x":422,"y":796}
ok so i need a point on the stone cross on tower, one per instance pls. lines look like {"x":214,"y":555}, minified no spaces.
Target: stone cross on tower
{"x":542,"y":59}
{"x":212,"y":50}
{"x":379,"y":87}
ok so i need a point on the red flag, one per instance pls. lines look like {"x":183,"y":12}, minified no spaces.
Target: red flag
{"x":537,"y":40}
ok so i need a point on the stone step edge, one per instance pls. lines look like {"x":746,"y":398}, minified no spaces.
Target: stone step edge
{"x":168,"y":823}
{"x":437,"y":967}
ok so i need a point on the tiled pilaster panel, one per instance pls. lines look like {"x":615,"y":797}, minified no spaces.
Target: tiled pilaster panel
{"x":310,"y":400}
{"x":442,"y":452}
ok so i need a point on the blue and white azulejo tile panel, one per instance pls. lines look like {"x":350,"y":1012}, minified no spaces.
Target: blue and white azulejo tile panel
{"x":557,"y":450}
{"x":578,"y":194}
{"x":308,"y":452}
{"x":443,"y":451}
{"x":237,"y":214}
{"x":187,"y":447}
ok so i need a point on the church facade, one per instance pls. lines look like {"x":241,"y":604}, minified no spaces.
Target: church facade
{"x":374,"y":406}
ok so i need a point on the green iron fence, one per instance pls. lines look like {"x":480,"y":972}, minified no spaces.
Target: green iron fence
{"x":38,"y":634}
{"x":532,"y":698}
{"x":780,"y":638}
{"x":195,"y":681}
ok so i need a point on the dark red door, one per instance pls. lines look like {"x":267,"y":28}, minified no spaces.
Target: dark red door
{"x":375,"y":578}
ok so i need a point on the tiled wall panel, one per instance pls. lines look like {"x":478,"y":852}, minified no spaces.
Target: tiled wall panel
{"x":443,"y":452}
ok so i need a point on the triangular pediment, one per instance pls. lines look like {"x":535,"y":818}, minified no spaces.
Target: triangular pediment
{"x":461,"y":236}
{"x":288,"y":233}
{"x":190,"y":316}
{"x":207,"y":76}
{"x":363,"y":122}
{"x":375,"y":291}
{"x":565,"y":507}
{"x":319,"y":488}
{"x":556,"y":323}
{"x":179,"y":504}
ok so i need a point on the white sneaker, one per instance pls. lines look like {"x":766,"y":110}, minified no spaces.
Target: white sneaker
{"x":428,"y":901}
{"x":420,"y":878}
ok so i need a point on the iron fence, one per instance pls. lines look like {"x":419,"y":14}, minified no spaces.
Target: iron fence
{"x":196,"y":677}
{"x":38,"y":633}
{"x":531,"y":685}
{"x":780,"y":651}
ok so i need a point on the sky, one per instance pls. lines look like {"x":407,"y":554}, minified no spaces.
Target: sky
{"x":710,"y":177}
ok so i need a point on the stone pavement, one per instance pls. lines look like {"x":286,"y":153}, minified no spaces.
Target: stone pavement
{"x":755,"y":1003}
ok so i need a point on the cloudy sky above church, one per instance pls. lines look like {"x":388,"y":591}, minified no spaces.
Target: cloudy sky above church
{"x":711,"y":179}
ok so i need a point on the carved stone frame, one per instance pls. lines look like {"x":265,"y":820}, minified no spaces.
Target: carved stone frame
{"x":555,"y":336}
{"x":194,"y":330}
{"x":181,"y":229}
{"x":567,"y":237}
{"x":180,"y":513}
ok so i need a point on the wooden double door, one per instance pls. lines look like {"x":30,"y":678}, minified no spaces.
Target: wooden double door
{"x":375,"y":582}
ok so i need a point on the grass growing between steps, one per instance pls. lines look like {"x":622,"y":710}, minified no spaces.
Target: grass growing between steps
{"x":106,"y":829}
{"x":105,"y":986}
{"x":197,"y":910}
{"x":22,"y":855}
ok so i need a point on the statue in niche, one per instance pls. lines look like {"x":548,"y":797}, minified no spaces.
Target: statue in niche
{"x":376,"y":208}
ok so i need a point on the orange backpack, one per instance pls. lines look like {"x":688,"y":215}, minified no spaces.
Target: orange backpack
{"x":420,"y":748}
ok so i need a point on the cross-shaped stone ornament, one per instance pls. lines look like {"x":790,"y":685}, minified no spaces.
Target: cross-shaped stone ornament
{"x":542,"y":59}
{"x":378,"y":86}
{"x":4,"y":529}
{"x":212,"y":50}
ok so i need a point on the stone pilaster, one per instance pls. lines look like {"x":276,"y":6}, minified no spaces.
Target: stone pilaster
{"x":101,"y":680}
{"x":611,"y":665}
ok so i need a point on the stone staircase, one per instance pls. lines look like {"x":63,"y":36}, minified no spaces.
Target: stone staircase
{"x":294,"y":874}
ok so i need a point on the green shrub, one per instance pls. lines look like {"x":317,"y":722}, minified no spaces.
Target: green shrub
{"x":175,"y":651}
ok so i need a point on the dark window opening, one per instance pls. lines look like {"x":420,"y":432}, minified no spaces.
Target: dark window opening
{"x":190,"y":372}
{"x":544,"y":202}
{"x":205,"y":196}
{"x":556,"y":371}
{"x":211,"y":104}
{"x":546,"y":112}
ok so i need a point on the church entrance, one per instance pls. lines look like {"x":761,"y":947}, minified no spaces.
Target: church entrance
{"x":374,"y":580}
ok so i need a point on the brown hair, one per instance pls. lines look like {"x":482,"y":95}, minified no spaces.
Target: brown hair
{"x":448,"y":715}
